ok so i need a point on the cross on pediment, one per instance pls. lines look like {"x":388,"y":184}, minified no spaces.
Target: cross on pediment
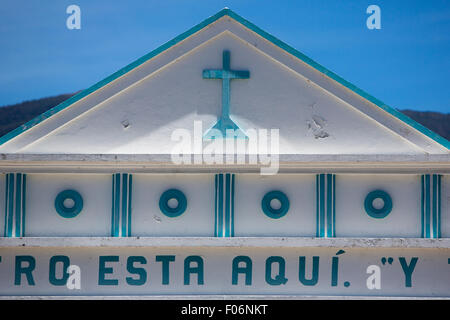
{"x":224,"y":121}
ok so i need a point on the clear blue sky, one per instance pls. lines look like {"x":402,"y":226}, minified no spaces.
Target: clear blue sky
{"x":406,"y":64}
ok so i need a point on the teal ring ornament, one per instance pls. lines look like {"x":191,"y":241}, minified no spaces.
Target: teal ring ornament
{"x":271,"y":212}
{"x":381,"y":212}
{"x":68,"y":212}
{"x":164,"y":203}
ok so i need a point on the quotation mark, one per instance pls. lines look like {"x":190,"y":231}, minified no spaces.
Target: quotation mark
{"x":389,"y":260}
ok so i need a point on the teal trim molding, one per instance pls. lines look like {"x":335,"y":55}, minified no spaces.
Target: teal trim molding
{"x":325,"y":205}
{"x":15,"y":199}
{"x":224,"y":205}
{"x":121,"y":205}
{"x":72,"y":211}
{"x":169,"y":211}
{"x":269,"y":210}
{"x":431,"y":205}
{"x":225,"y":12}
{"x":224,"y":122}
{"x":382,"y":212}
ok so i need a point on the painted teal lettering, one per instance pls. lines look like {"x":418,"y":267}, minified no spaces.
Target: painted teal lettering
{"x":334,"y":271}
{"x":24,"y":270}
{"x":138,"y":271}
{"x":408,"y":269}
{"x":198,"y":269}
{"x":52,"y":270}
{"x":246,"y":270}
{"x":314,"y":273}
{"x":280,"y":277}
{"x":165,"y":260}
{"x":103,"y":270}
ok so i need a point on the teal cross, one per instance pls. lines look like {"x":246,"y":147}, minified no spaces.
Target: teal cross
{"x":226,"y":74}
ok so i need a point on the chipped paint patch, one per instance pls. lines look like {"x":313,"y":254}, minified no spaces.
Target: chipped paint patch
{"x":316,"y":126}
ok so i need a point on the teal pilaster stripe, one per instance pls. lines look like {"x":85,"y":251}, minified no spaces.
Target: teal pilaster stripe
{"x":439,"y":205}
{"x":322,"y":204}
{"x":10,"y":205}
{"x":422,"y":203}
{"x":116,"y":200}
{"x":113,"y":206}
{"x":216,"y":205}
{"x":224,"y":205}
{"x":325,"y":205}
{"x":124,"y":204}
{"x":5,"y":232}
{"x":232,"y":205}
{"x":329,"y":205}
{"x":130,"y":184}
{"x":431,"y":205}
{"x":427,"y":206}
{"x":15,"y":205}
{"x":220,"y":207}
{"x":24,"y":189}
{"x":334,"y":206}
{"x":18,"y":211}
{"x":227,"y":206}
{"x":317,"y":207}
{"x":434,"y":213}
{"x":121,"y":205}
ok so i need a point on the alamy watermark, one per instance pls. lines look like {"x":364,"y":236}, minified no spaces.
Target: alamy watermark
{"x":74,"y":20}
{"x":374,"y":20}
{"x":256,"y":147}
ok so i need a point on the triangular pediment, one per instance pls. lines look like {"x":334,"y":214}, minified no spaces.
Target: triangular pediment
{"x":139,"y":109}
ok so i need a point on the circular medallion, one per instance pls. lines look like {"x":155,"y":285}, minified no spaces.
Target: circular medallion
{"x":172,"y":203}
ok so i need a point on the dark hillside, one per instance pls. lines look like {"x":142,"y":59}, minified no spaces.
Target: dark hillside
{"x":15,"y":115}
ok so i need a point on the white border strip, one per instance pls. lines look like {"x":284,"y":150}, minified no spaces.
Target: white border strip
{"x":221,"y":297}
{"x":263,"y":242}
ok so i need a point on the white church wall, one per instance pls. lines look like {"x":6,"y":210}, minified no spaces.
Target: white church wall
{"x":200,"y":216}
{"x":353,"y":221}
{"x":197,"y":220}
{"x":42,"y":220}
{"x":250,"y":219}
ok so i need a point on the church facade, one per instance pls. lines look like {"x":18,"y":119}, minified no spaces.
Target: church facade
{"x":224,"y":162}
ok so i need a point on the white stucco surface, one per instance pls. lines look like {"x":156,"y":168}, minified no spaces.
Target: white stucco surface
{"x":175,"y":97}
{"x":137,"y":113}
{"x":250,"y":219}
{"x":147,"y":219}
{"x":42,"y":218}
{"x":197,"y":220}
{"x":351,"y":218}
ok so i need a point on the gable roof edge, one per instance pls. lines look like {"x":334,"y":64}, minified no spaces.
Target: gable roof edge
{"x":394,"y":112}
{"x":226,"y":11}
{"x":67,"y":103}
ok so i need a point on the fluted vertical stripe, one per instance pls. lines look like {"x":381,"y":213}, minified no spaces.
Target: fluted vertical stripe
{"x":224,"y":205}
{"x":325,"y":205}
{"x":431,"y":205}
{"x":15,"y":205}
{"x":121,"y":205}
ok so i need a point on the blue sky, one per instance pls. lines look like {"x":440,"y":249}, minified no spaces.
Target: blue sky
{"x":405,"y":64}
